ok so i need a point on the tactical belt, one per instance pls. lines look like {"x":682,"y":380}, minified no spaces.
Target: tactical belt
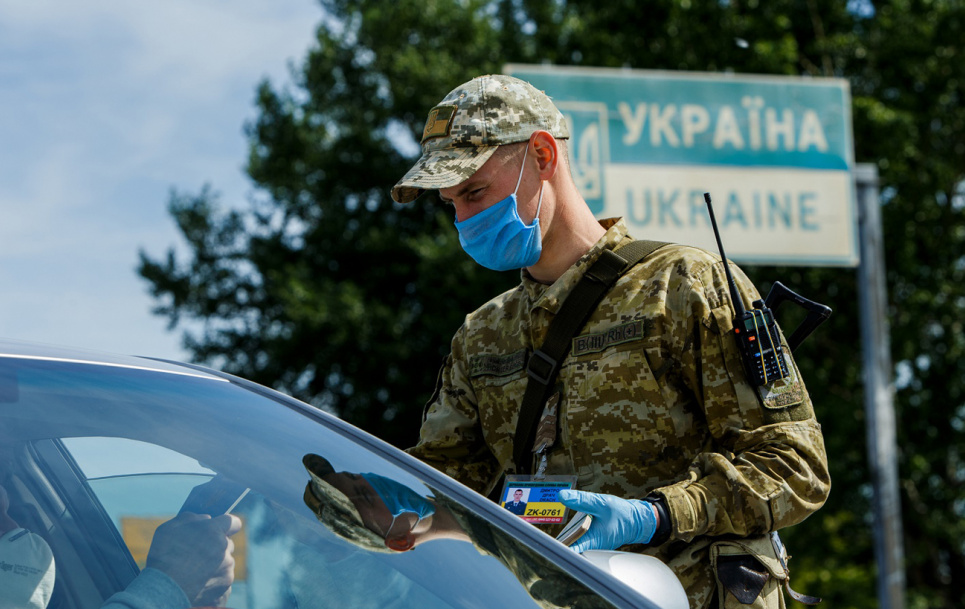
{"x":544,"y":363}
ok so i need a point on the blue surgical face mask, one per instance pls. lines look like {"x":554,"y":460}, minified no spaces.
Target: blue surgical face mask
{"x":497,"y":239}
{"x":399,"y":498}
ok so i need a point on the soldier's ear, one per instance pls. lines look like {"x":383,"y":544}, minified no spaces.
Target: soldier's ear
{"x":545,"y":149}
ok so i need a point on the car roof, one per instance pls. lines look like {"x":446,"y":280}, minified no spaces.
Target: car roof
{"x":17,"y":349}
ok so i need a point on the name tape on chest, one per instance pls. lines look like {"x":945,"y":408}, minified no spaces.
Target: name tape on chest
{"x":497,"y":365}
{"x":617,"y":335}
{"x":511,"y":363}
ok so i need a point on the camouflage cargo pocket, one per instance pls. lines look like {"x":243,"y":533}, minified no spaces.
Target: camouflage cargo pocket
{"x":748,"y":573}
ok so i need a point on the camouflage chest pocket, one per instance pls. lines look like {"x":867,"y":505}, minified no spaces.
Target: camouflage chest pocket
{"x":613,"y":404}
{"x":610,"y":366}
{"x":499,"y":382}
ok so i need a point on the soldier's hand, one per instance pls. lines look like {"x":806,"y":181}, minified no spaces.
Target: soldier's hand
{"x":616,"y":522}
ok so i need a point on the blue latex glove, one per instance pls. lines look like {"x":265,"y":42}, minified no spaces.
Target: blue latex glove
{"x":616,"y":521}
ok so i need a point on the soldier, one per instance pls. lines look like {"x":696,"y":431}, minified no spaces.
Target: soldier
{"x":674,"y":453}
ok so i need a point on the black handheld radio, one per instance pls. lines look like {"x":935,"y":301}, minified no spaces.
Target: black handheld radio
{"x":756,"y":330}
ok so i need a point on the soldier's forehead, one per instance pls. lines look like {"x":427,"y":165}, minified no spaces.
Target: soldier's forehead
{"x":484,"y":173}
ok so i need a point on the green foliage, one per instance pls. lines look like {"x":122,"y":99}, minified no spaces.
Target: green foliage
{"x":326,"y":290}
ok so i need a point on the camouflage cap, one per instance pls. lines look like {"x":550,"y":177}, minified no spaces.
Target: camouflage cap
{"x":467,"y":126}
{"x":335,"y":510}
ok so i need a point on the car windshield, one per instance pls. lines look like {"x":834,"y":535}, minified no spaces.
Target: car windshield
{"x":94,"y":458}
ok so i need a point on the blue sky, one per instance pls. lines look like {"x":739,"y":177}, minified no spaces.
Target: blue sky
{"x":106,"y":106}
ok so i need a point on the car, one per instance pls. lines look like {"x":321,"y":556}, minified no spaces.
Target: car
{"x":98,"y":451}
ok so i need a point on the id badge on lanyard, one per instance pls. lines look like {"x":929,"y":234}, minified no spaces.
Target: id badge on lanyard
{"x":534,"y":498}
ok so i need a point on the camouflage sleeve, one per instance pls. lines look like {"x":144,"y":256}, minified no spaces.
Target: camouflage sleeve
{"x":767,"y":468}
{"x":451,"y":438}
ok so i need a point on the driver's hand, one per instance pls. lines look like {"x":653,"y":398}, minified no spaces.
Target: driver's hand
{"x":195,"y":551}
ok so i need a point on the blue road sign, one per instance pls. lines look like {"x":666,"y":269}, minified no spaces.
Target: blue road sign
{"x":775,"y":153}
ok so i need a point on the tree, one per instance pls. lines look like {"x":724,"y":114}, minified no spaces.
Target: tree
{"x":326,"y":290}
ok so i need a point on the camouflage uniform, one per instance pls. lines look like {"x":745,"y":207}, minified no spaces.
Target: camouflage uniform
{"x":654,"y":399}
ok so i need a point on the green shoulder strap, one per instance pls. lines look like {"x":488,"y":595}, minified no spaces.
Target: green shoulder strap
{"x":544,"y":363}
